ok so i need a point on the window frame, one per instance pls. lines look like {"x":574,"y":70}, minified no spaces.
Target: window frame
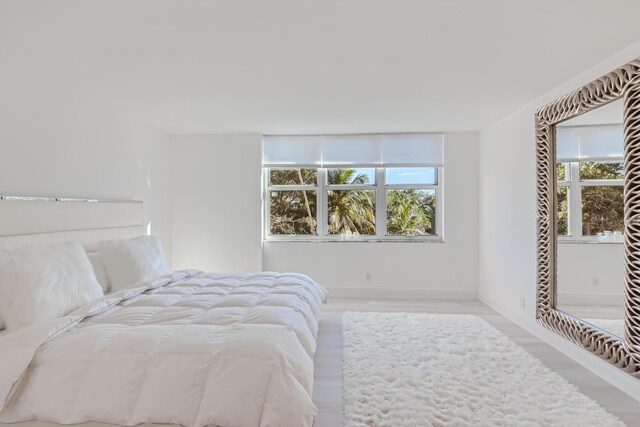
{"x":574,"y":187}
{"x":380,"y":188}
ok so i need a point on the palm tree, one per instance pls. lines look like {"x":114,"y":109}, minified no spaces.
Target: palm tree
{"x":293,"y":211}
{"x":409,"y":213}
{"x":350,"y":210}
{"x":310,"y":217}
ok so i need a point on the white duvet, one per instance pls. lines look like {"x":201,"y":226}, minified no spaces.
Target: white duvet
{"x":194,"y":349}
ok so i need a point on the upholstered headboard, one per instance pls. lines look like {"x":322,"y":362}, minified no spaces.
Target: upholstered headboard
{"x":44,"y":220}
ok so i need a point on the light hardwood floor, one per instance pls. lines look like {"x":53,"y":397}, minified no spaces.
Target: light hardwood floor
{"x":327,"y":393}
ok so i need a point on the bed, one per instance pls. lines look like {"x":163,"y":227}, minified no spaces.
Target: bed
{"x":186,"y":347}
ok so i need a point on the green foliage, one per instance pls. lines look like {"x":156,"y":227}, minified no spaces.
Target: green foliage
{"x":346,"y":177}
{"x":296,"y":176}
{"x":602,"y":209}
{"x":350,"y":210}
{"x":561,"y":172}
{"x":289,"y":214}
{"x":563,"y":211}
{"x":293,"y":212}
{"x":411,"y":212}
{"x":593,"y":170}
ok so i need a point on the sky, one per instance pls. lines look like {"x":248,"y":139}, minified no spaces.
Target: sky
{"x":403,"y":175}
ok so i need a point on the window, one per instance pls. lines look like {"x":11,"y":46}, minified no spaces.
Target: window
{"x":590,"y":173}
{"x":590,"y":199}
{"x":590,"y":202}
{"x":293,"y":201}
{"x":351,"y":201}
{"x":357,"y":202}
{"x":343,"y":189}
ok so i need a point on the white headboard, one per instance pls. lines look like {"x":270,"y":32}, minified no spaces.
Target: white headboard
{"x":45,"y":220}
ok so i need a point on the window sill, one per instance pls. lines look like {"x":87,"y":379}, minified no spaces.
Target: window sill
{"x":589,"y":242}
{"x":372,"y":240}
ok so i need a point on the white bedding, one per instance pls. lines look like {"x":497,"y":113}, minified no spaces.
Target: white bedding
{"x":194,"y":349}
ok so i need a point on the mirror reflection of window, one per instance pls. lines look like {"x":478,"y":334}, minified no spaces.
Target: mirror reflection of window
{"x":590,"y":178}
{"x":590,"y":217}
{"x":562,"y":173}
{"x":600,"y":199}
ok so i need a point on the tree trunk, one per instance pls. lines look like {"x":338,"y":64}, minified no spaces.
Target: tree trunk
{"x":306,"y":202}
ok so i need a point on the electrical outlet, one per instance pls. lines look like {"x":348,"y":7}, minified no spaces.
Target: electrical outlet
{"x":368,"y":277}
{"x":595,"y":282}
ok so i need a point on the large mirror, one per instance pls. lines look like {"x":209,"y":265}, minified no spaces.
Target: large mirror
{"x":588,"y":217}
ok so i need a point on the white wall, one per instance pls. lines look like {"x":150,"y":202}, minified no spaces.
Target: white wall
{"x":402,"y":270}
{"x":217,"y":199}
{"x":591,"y":274}
{"x":508,"y":214}
{"x":59,"y":145}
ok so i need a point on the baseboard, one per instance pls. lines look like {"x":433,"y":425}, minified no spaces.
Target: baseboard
{"x":401,"y":294}
{"x":591,"y":300}
{"x":603,"y":369}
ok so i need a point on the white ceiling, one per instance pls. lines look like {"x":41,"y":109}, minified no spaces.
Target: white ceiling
{"x":298,"y":66}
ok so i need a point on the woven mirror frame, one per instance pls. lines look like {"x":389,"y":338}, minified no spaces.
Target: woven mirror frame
{"x":623,"y":83}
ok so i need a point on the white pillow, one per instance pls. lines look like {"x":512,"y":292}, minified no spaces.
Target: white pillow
{"x":129,"y":261}
{"x":100,"y":271}
{"x":42,"y":282}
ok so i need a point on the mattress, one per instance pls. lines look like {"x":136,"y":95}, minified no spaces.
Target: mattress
{"x":194,"y":349}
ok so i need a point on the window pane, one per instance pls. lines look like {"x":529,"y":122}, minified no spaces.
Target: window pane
{"x":601,"y":170}
{"x":351,"y":211}
{"x":354,"y":176}
{"x":602,"y":209}
{"x":561,"y":172}
{"x":411,"y":212}
{"x":293,"y":212}
{"x":293,"y":176}
{"x":411,"y":176}
{"x":563,"y":211}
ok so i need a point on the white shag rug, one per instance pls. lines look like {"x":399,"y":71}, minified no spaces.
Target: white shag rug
{"x":415,"y":369}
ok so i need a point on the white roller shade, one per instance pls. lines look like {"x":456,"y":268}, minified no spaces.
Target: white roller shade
{"x":362,"y":150}
{"x":567,"y":148}
{"x":589,"y":143}
{"x":351,"y":150}
{"x":601,"y":142}
{"x":413,"y":149}
{"x":283,"y":151}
